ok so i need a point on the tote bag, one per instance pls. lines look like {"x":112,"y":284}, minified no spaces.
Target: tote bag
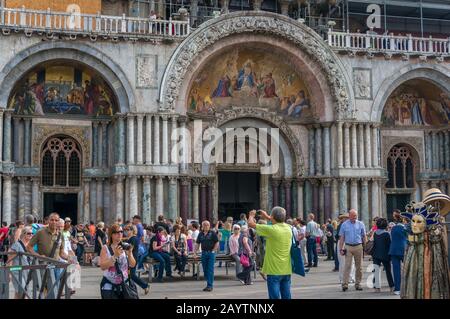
{"x":296,"y":259}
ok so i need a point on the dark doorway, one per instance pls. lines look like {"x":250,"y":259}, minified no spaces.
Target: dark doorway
{"x":396,"y":201}
{"x":66,"y":205}
{"x":238,"y":193}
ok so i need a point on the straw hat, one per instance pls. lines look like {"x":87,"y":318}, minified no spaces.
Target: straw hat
{"x":433,"y":195}
{"x":344,"y":215}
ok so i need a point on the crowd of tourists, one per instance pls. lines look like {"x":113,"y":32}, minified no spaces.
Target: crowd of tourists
{"x":257,"y":241}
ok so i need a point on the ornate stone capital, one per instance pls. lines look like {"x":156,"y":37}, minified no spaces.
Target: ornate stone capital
{"x":287,"y":183}
{"x":354,"y":182}
{"x":343,"y":179}
{"x":314,"y":182}
{"x":365,"y":181}
{"x":300,"y":181}
{"x":185,"y":180}
{"x":196,"y":181}
{"x":255,"y":22}
{"x":182,"y":119}
{"x":326,"y":182}
{"x":275,"y":182}
{"x":172,"y":179}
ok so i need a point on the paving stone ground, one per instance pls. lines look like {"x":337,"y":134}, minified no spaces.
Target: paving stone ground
{"x":320,"y":283}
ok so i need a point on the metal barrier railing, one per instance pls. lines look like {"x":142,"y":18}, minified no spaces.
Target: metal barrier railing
{"x":38,"y":278}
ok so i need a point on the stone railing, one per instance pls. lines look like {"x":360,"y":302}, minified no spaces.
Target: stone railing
{"x":88,"y":24}
{"x":392,"y":44}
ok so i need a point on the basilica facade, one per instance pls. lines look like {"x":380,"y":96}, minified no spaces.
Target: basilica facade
{"x":86,"y":121}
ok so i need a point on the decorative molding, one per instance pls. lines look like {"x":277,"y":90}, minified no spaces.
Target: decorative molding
{"x":272,"y":24}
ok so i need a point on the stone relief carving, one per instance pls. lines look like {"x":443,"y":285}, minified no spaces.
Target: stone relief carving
{"x":146,"y":71}
{"x":362,"y":81}
{"x":257,"y":22}
{"x":41,"y":132}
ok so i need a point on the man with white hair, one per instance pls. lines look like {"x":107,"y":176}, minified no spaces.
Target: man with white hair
{"x":209,"y":243}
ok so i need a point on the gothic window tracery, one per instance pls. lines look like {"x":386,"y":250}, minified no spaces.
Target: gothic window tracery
{"x":400,"y":167}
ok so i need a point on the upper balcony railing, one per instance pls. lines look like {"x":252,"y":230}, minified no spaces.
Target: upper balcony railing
{"x":390,"y":44}
{"x":101,"y":25}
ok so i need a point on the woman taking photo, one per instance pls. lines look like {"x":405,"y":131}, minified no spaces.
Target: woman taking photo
{"x":114,"y":261}
{"x":179,"y":247}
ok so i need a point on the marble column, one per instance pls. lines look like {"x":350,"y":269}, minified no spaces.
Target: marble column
{"x":148,"y":139}
{"x":285,"y":7}
{"x":140,"y":141}
{"x":86,"y":202}
{"x":93,"y":200}
{"x":327,"y":207}
{"x":300,"y":208}
{"x":312,"y":166}
{"x":364,"y":212}
{"x":35,"y":211}
{"x":21,"y":198}
{"x":203,"y":200}
{"x":165,"y":141}
{"x":281,"y":196}
{"x":184,"y":200}
{"x":308,"y":198}
{"x":173,"y":144}
{"x":423,"y":186}
{"x":315,"y":197}
{"x":159,"y":196}
{"x":321,"y":211}
{"x":368,"y":144}
{"x":195,"y":198}
{"x":361,"y":143}
{"x":354,"y":194}
{"x":105,"y":141}
{"x":375,"y":144}
{"x":1,"y":136}
{"x":94,"y":144}
{"x":429,"y":150}
{"x":435,"y":150}
{"x":156,"y":137}
{"x":120,"y":213}
{"x":318,"y":144}
{"x":333,"y":141}
{"x":275,"y":193}
{"x":130,"y":140}
{"x":146,"y":201}
{"x":173,"y":197}
{"x":7,"y":140}
{"x":354,"y":147}
{"x":7,"y":198}
{"x":264,"y":192}
{"x":347,"y":154}
{"x":16,"y":140}
{"x":120,"y":140}
{"x":339,"y":148}
{"x":375,"y":205}
{"x":343,"y":195}
{"x":334,"y":198}
{"x":99,"y":211}
{"x":27,"y":141}
{"x":442,"y":151}
{"x":287,"y":184}
{"x":447,"y":150}
{"x":184,"y":160}
{"x":100,"y":145}
{"x":326,"y":151}
{"x":210,"y":200}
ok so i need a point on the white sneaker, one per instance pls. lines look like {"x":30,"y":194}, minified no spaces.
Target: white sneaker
{"x":397,"y":293}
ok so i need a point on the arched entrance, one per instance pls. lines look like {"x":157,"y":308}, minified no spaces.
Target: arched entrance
{"x":61,"y":163}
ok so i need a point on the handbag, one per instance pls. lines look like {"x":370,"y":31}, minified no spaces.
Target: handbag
{"x":296,"y":259}
{"x":129,"y":289}
{"x":245,"y":261}
{"x":369,"y":247}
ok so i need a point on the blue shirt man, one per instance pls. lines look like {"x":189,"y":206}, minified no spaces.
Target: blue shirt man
{"x":353,"y":232}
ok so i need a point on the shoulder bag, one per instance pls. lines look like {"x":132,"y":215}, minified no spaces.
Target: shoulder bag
{"x":296,"y":259}
{"x":128,"y":288}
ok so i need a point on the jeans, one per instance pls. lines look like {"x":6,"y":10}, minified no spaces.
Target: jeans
{"x":397,"y":270}
{"x":336,"y":258}
{"x":141,"y":260}
{"x":180,"y":261}
{"x":164,"y":262}
{"x":387,"y":267}
{"x":279,"y":286}
{"x":136,"y":279}
{"x":208,"y":260}
{"x":79,"y":252}
{"x":237,"y":261}
{"x":312,"y":250}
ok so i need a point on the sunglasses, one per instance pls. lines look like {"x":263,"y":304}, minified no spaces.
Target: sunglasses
{"x":29,"y":233}
{"x":118,"y":232}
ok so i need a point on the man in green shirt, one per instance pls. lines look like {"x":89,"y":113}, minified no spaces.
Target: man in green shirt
{"x":277,"y":260}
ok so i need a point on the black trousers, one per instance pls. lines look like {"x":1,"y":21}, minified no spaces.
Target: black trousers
{"x":330,"y":248}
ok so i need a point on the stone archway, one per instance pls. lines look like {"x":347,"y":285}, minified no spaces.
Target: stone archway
{"x":251,"y":23}
{"x":27,"y":59}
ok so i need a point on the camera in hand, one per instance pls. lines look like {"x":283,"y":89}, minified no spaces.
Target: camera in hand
{"x":124,"y":245}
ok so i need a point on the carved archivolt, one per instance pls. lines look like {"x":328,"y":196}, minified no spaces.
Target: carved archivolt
{"x":277,"y":121}
{"x":42,"y":132}
{"x":263,"y":23}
